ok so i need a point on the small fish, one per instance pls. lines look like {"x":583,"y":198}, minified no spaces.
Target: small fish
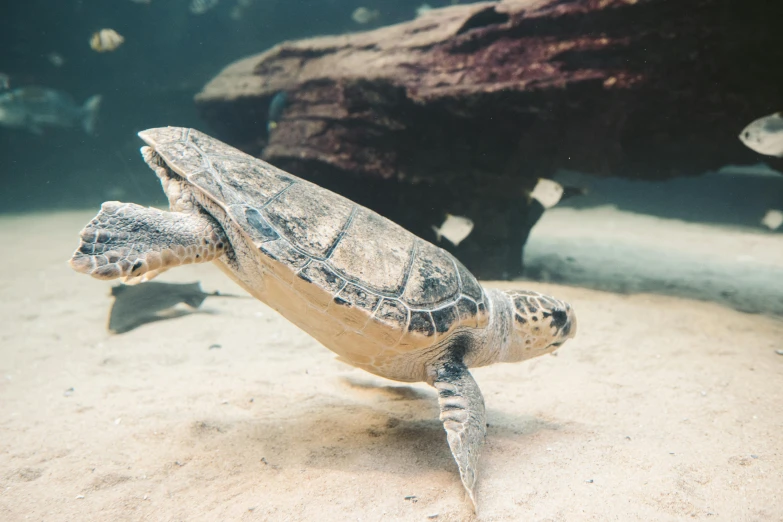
{"x":422,"y":9}
{"x":153,"y":301}
{"x":765,"y":135}
{"x":141,"y":1}
{"x":32,"y":108}
{"x":455,"y":229}
{"x":772,"y":219}
{"x":276,"y":107}
{"x":362,"y":15}
{"x":106,"y":40}
{"x":56,"y":59}
{"x":5,"y":82}
{"x":199,"y":7}
{"x":549,"y":192}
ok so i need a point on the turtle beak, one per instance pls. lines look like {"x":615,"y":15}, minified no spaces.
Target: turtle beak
{"x":569,"y":330}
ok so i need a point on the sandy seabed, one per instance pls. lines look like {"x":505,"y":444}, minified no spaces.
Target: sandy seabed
{"x":661,"y":409}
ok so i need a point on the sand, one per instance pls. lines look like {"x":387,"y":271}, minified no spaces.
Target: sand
{"x":662,"y":408}
{"x":606,"y":249}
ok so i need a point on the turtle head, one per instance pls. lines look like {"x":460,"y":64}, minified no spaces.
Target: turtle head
{"x":541,"y":324}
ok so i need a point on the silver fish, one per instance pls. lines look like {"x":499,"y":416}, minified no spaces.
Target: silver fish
{"x":547,"y":192}
{"x":362,"y":15}
{"x":106,"y":40}
{"x":55,"y":59}
{"x":198,"y":7}
{"x":5,"y":82}
{"x":455,"y":229}
{"x":423,"y":9}
{"x":33,"y":108}
{"x":765,"y":135}
{"x":772,"y":219}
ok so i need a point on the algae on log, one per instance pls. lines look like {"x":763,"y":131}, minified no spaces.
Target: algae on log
{"x":462,"y":109}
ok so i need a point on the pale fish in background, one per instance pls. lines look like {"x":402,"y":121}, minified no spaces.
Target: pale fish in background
{"x":362,"y":15}
{"x":55,"y":59}
{"x":455,"y":229}
{"x":765,"y":135}
{"x":114,"y":193}
{"x":772,"y":219}
{"x":275,"y":112}
{"x":547,"y":192}
{"x":33,"y":108}
{"x":106,"y":40}
{"x":238,"y":11}
{"x":5,"y":82}
{"x":141,"y":1}
{"x":199,"y":7}
{"x":423,"y":8}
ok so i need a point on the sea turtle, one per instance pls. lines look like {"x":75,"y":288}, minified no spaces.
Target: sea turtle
{"x":381,"y":298}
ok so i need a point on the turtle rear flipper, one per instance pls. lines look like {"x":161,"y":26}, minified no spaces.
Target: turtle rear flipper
{"x":137,"y":243}
{"x":463,"y":415}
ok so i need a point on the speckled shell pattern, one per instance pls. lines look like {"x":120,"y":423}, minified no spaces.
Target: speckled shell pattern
{"x":380,"y":297}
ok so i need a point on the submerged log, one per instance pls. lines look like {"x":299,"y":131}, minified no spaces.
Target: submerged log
{"x":464,"y":108}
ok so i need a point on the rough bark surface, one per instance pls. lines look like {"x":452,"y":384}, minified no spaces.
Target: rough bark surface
{"x":462,"y":109}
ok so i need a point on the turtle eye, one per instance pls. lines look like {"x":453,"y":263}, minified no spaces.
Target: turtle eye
{"x":559,"y":318}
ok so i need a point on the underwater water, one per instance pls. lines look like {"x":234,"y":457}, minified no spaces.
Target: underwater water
{"x":621,"y":156}
{"x":169,"y":53}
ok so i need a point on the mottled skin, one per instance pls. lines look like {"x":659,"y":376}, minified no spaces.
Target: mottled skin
{"x":381,"y":298}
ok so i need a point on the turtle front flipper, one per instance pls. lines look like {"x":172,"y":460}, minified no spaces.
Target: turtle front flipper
{"x":463,"y":416}
{"x":137,"y":243}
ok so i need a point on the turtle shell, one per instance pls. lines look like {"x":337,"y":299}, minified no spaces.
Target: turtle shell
{"x":362,"y":285}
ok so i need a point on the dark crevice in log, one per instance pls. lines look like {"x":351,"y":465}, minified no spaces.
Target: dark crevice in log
{"x":483,"y":18}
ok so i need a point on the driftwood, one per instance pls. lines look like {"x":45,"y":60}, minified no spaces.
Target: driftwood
{"x":462,"y":109}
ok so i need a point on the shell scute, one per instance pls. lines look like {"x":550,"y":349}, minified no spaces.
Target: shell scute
{"x":310,"y":217}
{"x":470,"y":287}
{"x":422,"y":323}
{"x":246,"y":180}
{"x":354,"y":305}
{"x":375,"y":252}
{"x":260,"y":228}
{"x":389,"y":322}
{"x":207,"y":182}
{"x":467,"y":310}
{"x":445,"y":319}
{"x":432,"y":277}
{"x":183,"y":158}
{"x":318,"y":283}
{"x":289,"y":259}
{"x":359,"y":297}
{"x":162,"y":135}
{"x":211,"y":146}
